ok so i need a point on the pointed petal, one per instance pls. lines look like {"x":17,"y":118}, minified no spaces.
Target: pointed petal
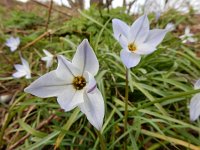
{"x":25,"y":64}
{"x":155,"y":37}
{"x":19,"y":74}
{"x":48,"y":85}
{"x":120,"y":28}
{"x":91,"y":86}
{"x":66,"y":70}
{"x":45,"y":58}
{"x":197,"y":84}
{"x":187,"y":30}
{"x":48,"y":60}
{"x":70,"y":98}
{"x":139,"y":29}
{"x":144,"y":49}
{"x":194,"y":107}
{"x":26,"y":67}
{"x":85,"y":58}
{"x":49,"y":63}
{"x":129,"y":59}
{"x":93,"y":108}
{"x":47,"y":53}
{"x":19,"y":67}
{"x":123,"y":41}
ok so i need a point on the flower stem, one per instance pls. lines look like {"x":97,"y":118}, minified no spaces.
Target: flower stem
{"x":101,"y":139}
{"x":126,"y":107}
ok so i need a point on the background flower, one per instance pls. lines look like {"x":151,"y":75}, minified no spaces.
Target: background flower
{"x":22,"y":69}
{"x":48,"y":58}
{"x":187,"y":36}
{"x":13,"y":43}
{"x":137,"y":39}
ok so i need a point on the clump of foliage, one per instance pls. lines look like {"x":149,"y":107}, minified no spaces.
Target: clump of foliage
{"x":161,"y":87}
{"x":21,"y":20}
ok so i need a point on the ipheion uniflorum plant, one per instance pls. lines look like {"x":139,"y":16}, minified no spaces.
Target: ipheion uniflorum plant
{"x":74,"y":85}
{"x":135,"y":40}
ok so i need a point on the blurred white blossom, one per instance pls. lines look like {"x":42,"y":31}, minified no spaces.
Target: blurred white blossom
{"x":48,"y":58}
{"x":13,"y":43}
{"x":195,"y":103}
{"x":187,"y":36}
{"x":22,"y":69}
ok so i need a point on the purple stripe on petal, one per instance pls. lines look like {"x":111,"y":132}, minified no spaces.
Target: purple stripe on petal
{"x":92,"y":89}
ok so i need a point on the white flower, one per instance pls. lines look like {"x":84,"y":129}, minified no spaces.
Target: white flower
{"x":195,"y":103}
{"x":13,"y":43}
{"x":48,"y":58}
{"x":22,"y":70}
{"x":74,"y":85}
{"x":170,"y":27}
{"x":136,"y":39}
{"x":187,"y":36}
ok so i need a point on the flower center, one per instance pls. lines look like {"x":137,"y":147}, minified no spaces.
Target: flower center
{"x":132,"y":47}
{"x":79,"y":82}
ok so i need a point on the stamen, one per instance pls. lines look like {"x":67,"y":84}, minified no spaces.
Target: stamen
{"x":79,"y":82}
{"x":132,"y":47}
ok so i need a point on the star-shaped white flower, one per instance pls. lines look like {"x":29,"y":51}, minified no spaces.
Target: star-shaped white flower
{"x":13,"y":43}
{"x":187,"y":36}
{"x":22,"y":70}
{"x":137,"y":39}
{"x":74,"y":85}
{"x":195,"y":103}
{"x":48,"y":58}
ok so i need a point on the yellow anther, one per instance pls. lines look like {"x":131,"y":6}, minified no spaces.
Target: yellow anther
{"x":132,"y":47}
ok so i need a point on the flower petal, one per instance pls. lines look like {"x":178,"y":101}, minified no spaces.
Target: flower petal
{"x":91,"y":86}
{"x":26,"y":67}
{"x":70,"y":98}
{"x":48,"y":60}
{"x":19,"y":74}
{"x":139,"y":29}
{"x":120,"y":28}
{"x":19,"y":67}
{"x":25,"y":64}
{"x":48,"y":85}
{"x":144,"y":49}
{"x":194,"y":107}
{"x":49,"y":63}
{"x":197,"y":84}
{"x":187,"y":30}
{"x":93,"y":108}
{"x":13,"y":48}
{"x":47,"y":53}
{"x":155,"y":36}
{"x":66,"y":70}
{"x":123,"y":41}
{"x":129,"y":59}
{"x":85,"y":58}
{"x":192,"y":40}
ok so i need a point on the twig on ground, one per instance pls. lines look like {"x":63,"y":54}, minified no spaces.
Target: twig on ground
{"x":43,"y":123}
